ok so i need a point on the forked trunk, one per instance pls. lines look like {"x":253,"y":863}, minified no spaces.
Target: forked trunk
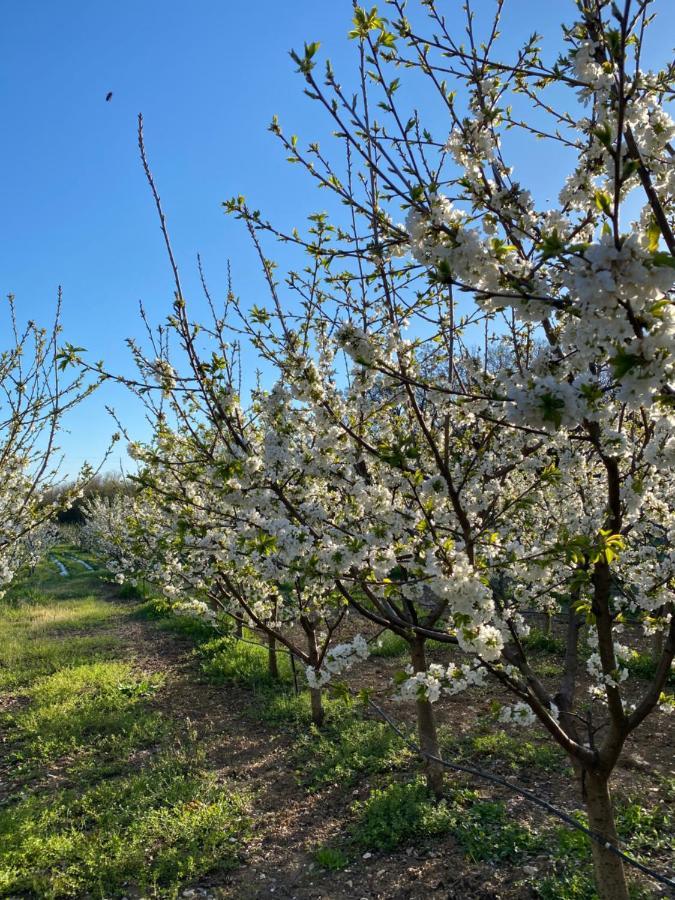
{"x":426,"y":726}
{"x":610,"y":878}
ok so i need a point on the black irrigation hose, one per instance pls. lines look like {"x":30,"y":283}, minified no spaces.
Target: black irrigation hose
{"x":527,"y":795}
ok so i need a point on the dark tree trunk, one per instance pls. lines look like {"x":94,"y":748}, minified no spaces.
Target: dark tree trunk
{"x":272,"y":661}
{"x":426,"y":725}
{"x":610,"y":878}
{"x":316,"y":699}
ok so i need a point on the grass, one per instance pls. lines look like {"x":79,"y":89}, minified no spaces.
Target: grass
{"x":517,"y":753}
{"x":225,"y":659}
{"x":87,"y":708}
{"x":389,"y":646}
{"x":403,"y":813}
{"x":542,"y":641}
{"x":643,"y":665}
{"x":131,"y":806}
{"x":331,"y":858}
{"x":345,"y":752}
{"x":157,"y":828}
{"x":643,"y":831}
{"x":400,"y":813}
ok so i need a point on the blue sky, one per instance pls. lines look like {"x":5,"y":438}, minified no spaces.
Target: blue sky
{"x":207,"y":76}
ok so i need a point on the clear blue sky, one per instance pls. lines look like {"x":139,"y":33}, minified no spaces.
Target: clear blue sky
{"x":207,"y":75}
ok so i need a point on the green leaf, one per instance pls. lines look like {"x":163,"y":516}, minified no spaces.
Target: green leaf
{"x":603,"y":202}
{"x":653,"y":236}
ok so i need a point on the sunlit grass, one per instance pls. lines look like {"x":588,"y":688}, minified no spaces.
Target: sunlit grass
{"x":133,"y":807}
{"x":156,"y":828}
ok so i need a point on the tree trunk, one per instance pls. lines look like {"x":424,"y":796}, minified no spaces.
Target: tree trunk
{"x":316,"y":699}
{"x":549,"y":624}
{"x":610,"y":879}
{"x":272,"y":662}
{"x":426,"y":725}
{"x":238,"y":628}
{"x":315,"y":694}
{"x":658,"y":640}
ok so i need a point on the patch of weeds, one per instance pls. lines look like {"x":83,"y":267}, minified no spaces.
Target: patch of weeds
{"x":389,"y":646}
{"x":153,"y":609}
{"x":392,"y":646}
{"x":188,"y":627}
{"x":568,"y":885}
{"x":546,"y":669}
{"x":331,"y":858}
{"x":155,"y":829}
{"x":228,"y":659}
{"x":644,"y":831}
{"x":518,"y":753}
{"x":24,"y":658}
{"x":129,"y":591}
{"x":78,"y":707}
{"x":397,"y":814}
{"x":543,"y":641}
{"x":643,"y":665}
{"x":352,"y":748}
{"x":279,"y":705}
{"x":404,"y":812}
{"x":486,"y":830}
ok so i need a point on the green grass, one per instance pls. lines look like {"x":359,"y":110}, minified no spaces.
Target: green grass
{"x":349,"y":750}
{"x":487,"y":831}
{"x":86,"y":708}
{"x":331,"y":858}
{"x":643,"y":665}
{"x":400,"y":813}
{"x":225,"y":659}
{"x":133,"y":807}
{"x":157,"y":828}
{"x":498,"y":745}
{"x":389,"y":646}
{"x":403,"y":813}
{"x":543,"y":641}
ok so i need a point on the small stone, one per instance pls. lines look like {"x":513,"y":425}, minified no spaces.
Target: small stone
{"x":366,"y":856}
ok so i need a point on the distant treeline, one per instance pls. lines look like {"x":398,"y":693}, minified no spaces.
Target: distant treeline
{"x":106,"y":485}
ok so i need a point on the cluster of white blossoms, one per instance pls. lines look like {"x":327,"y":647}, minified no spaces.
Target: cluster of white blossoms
{"x":596,"y":78}
{"x":437,"y":680}
{"x":425,"y":685}
{"x":356,"y":343}
{"x":25,"y":535}
{"x":339,"y":658}
{"x":518,"y":714}
{"x":197,"y":609}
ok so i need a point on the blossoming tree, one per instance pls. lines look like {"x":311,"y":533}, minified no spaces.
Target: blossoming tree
{"x":34,"y":397}
{"x":543,"y":484}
